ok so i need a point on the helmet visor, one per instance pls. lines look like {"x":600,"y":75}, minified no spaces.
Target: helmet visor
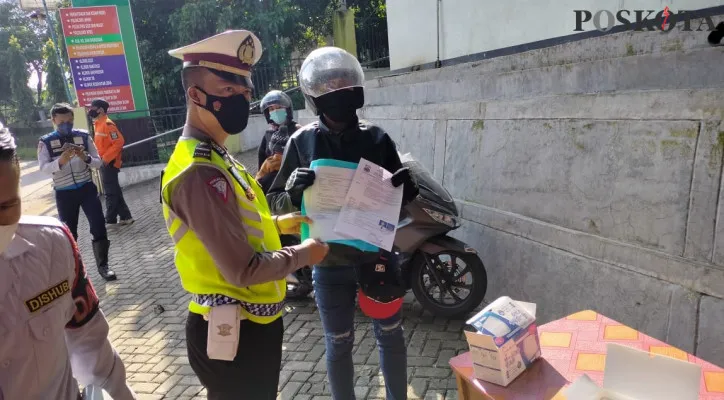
{"x":329,"y":69}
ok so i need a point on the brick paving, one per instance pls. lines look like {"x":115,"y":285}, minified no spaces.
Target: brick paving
{"x":152,"y":343}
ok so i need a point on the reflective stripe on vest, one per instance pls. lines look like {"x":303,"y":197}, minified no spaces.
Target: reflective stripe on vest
{"x":261,"y":303}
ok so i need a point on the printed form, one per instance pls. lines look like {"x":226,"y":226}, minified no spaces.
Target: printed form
{"x":371,"y":208}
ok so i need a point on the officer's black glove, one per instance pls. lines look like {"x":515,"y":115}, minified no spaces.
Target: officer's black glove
{"x":410,"y":188}
{"x":299,"y":180}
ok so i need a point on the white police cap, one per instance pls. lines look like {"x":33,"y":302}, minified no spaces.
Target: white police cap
{"x":234,"y":52}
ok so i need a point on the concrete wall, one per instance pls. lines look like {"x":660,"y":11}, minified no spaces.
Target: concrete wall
{"x":588,"y":175}
{"x":475,"y":26}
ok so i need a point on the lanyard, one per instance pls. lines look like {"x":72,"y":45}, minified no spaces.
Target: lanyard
{"x":234,"y":171}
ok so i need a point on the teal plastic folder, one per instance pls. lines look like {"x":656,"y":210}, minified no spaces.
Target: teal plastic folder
{"x":358,"y":244}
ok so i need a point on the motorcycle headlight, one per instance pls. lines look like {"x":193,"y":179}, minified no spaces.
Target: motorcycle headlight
{"x":446,"y":219}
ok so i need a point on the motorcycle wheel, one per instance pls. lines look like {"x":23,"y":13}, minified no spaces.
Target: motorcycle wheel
{"x":446,"y":275}
{"x":301,"y":290}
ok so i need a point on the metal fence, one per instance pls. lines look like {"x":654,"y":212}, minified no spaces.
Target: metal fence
{"x":373,"y":50}
{"x":151,"y":140}
{"x":275,"y":77}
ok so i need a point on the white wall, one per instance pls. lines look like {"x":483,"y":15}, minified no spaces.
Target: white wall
{"x":475,"y":26}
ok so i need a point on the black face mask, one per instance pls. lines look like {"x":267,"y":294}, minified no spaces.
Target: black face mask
{"x":93,"y":113}
{"x":341,"y":114}
{"x":232,"y":112}
{"x":341,"y":105}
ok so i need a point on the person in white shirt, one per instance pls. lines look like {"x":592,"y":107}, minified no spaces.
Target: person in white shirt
{"x":53,"y":331}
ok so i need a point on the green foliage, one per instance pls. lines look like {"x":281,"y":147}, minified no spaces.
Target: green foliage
{"x":21,"y":95}
{"x":30,"y":34}
{"x":283,"y":26}
{"x":287,"y":28}
{"x":55,"y":81}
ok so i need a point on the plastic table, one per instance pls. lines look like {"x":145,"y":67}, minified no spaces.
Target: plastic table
{"x":570,"y":347}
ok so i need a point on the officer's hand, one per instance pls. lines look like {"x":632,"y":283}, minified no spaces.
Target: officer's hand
{"x":317,"y":250}
{"x":300,"y":179}
{"x":409,"y":188}
{"x":290,"y":224}
{"x":66,"y":156}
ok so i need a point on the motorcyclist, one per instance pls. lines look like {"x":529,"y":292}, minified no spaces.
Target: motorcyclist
{"x":332,"y":82}
{"x":277,"y":108}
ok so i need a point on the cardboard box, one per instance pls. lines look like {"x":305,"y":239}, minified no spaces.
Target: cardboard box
{"x":506,"y":342}
{"x":632,"y":374}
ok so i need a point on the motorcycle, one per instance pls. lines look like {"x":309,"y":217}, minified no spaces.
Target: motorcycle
{"x":447,"y":276}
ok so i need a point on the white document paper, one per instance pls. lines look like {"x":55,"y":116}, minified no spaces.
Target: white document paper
{"x":371,"y":209}
{"x":632,"y":374}
{"x":323,"y":201}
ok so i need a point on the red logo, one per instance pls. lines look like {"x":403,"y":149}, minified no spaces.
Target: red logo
{"x":666,"y":18}
{"x":217,"y":105}
{"x":221,"y":186}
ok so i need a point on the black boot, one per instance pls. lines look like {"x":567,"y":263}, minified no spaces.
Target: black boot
{"x":100,"y":251}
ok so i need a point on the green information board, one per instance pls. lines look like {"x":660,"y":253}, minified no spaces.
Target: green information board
{"x":133,"y":59}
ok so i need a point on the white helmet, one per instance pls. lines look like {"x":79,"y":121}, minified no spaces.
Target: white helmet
{"x":329,"y":70}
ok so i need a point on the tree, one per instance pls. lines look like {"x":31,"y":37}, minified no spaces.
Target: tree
{"x":30,"y":34}
{"x":282,"y":26}
{"x":55,"y":81}
{"x":161,"y":72}
{"x":18,"y":75}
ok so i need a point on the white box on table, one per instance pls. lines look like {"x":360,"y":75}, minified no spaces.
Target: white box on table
{"x":506,"y":342}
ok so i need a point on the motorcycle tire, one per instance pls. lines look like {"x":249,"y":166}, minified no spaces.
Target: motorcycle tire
{"x":299,"y":291}
{"x":472,"y":301}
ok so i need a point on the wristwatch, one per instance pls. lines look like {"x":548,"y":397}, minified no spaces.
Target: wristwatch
{"x":88,"y":159}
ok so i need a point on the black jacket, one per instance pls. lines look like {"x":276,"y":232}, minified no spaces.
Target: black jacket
{"x":315,"y":141}
{"x":263,"y":151}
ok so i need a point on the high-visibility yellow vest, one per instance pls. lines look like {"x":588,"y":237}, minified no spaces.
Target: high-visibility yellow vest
{"x":260,"y":303}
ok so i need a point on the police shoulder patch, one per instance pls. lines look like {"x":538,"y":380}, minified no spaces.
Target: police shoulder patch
{"x":114,"y":135}
{"x":47,"y":296}
{"x":203,"y":150}
{"x":221,"y":186}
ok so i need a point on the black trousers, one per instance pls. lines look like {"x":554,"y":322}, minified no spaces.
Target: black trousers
{"x":69,"y":203}
{"x":254,"y":373}
{"x":115,"y":203}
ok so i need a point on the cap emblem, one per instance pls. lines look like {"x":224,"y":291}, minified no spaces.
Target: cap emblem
{"x":246,"y":51}
{"x":380,"y":268}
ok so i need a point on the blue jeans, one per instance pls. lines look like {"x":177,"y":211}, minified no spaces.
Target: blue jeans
{"x":335,"y":291}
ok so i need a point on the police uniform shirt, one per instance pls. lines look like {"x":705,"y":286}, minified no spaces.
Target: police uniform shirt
{"x":204,"y":194}
{"x":50,"y":323}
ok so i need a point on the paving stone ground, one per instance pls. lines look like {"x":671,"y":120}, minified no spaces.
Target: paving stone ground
{"x":152,"y":344}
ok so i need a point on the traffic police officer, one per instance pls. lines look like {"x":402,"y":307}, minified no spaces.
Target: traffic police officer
{"x":228,"y":253}
{"x":68,"y":155}
{"x":50,"y":324}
